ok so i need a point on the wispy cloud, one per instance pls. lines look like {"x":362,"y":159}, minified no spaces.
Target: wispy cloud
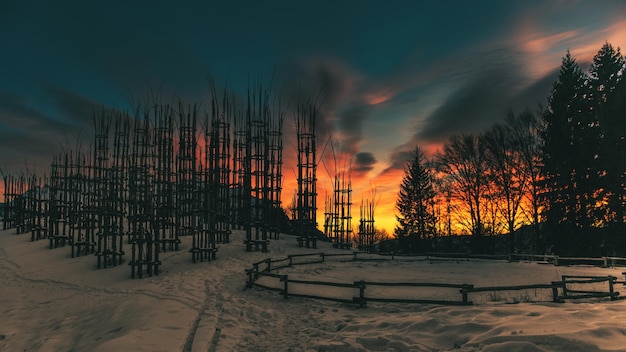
{"x":75,"y":108}
{"x":26,"y":134}
{"x":33,"y":136}
{"x":344,"y":109}
{"x":363,"y":162}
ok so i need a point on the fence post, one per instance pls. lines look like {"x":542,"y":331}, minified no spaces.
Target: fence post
{"x":555,"y":291}
{"x":269,"y":264}
{"x":290,"y":260}
{"x":250,"y":278}
{"x":564,"y":283}
{"x":322,"y":255}
{"x":464,"y":292}
{"x":361,"y":299}
{"x":285,"y":279}
{"x":611,"y":292}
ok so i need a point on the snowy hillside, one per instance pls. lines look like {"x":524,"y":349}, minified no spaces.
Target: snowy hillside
{"x":51,"y":302}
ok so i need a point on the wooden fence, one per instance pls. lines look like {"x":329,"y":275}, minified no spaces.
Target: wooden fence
{"x":556,"y":260}
{"x":561,"y":290}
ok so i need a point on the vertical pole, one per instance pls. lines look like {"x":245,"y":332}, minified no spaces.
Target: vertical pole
{"x":611,"y":292}
{"x":285,"y":280}
{"x":555,"y":290}
{"x":361,"y":299}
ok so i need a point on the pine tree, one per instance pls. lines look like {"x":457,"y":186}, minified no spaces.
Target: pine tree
{"x":604,"y":74}
{"x":566,"y":154}
{"x":607,"y":101}
{"x":416,"y":219}
{"x":614,"y":145}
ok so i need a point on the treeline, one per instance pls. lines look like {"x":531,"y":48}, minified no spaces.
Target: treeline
{"x":549,"y":181}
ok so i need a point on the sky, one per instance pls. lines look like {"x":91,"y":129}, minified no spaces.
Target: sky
{"x":388,"y":75}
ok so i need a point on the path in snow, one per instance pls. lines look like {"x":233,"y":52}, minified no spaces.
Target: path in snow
{"x":51,"y":302}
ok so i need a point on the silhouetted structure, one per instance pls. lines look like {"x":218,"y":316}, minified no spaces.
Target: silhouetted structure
{"x":164,"y":180}
{"x":366,"y":226}
{"x":258,"y":115}
{"x":306,"y":207}
{"x":110,"y":231}
{"x":342,"y":211}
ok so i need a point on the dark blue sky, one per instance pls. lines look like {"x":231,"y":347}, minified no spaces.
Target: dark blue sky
{"x":393,"y":73}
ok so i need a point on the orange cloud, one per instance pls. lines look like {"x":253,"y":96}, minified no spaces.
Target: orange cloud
{"x":543,"y":43}
{"x":592,"y":42}
{"x":378,"y":97}
{"x":545,"y":49}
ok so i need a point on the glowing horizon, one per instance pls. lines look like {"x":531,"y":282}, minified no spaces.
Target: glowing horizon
{"x":386,"y":77}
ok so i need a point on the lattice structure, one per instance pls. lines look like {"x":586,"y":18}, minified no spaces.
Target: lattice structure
{"x":274,"y":172}
{"x":238,"y":174}
{"x":13,"y":212}
{"x":342,"y":211}
{"x":186,"y":171}
{"x":40,"y":208}
{"x":83,"y":208}
{"x":109,"y":237}
{"x":59,"y":202}
{"x":189,"y":189}
{"x":256,"y":192}
{"x":210,"y":228}
{"x":25,"y":205}
{"x":12,"y":191}
{"x":306,"y":207}
{"x":20,"y":205}
{"x":366,"y":226}
{"x":328,"y":216}
{"x":164,"y":181}
{"x":144,"y":242}
{"x":218,"y":160}
{"x":8,"y":216}
{"x":118,"y":180}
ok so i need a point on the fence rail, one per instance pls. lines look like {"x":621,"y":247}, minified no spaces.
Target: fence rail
{"x":560,"y":289}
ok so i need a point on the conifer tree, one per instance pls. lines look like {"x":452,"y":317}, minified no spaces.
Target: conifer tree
{"x":416,"y":219}
{"x":614,"y":152}
{"x":565,"y":152}
{"x":607,"y":102}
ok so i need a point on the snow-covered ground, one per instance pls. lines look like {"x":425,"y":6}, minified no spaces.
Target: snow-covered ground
{"x":51,"y":302}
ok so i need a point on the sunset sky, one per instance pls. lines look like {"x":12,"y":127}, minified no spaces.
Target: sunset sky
{"x":392,"y":74}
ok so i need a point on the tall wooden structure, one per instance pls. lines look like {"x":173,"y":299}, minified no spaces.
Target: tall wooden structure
{"x":306,"y":207}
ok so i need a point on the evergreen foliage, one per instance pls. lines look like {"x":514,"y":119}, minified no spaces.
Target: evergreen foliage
{"x":416,"y":219}
{"x":565,"y":159}
{"x":583,"y":153}
{"x":562,"y":171}
{"x":608,"y":104}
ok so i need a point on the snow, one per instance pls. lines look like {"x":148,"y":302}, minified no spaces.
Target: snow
{"x":51,"y":302}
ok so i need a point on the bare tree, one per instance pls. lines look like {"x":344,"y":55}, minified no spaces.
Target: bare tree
{"x":524,"y":131}
{"x":463,"y":162}
{"x":505,"y":176}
